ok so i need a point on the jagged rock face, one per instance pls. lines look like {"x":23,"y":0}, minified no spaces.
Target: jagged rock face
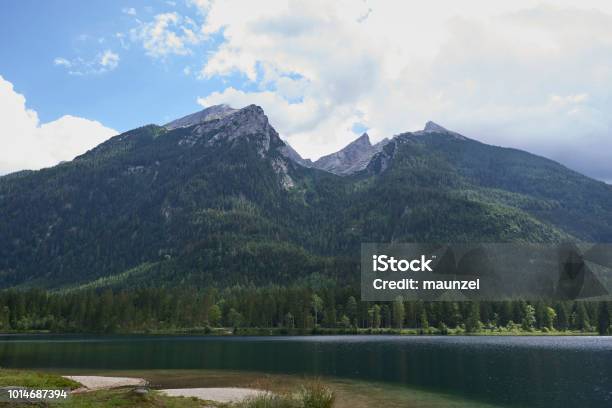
{"x":249,"y":123}
{"x":221,"y":124}
{"x":231,"y":124}
{"x":381,"y":160}
{"x":352,"y":158}
{"x":432,"y":127}
{"x":357,"y":155}
{"x":210,"y":113}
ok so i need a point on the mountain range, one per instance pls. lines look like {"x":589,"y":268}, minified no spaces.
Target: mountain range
{"x":218,"y":198}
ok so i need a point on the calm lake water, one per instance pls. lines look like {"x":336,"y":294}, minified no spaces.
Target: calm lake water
{"x":513,"y":371}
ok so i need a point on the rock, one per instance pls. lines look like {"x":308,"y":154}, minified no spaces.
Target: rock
{"x":352,"y":158}
{"x":141,"y":391}
{"x":432,"y":127}
{"x":210,"y":113}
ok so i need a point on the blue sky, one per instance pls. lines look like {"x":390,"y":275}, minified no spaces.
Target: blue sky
{"x":526,"y":74}
{"x":140,"y":90}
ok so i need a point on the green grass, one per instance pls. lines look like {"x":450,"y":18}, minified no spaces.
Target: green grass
{"x":32,"y":379}
{"x":119,"y":398}
{"x":313,"y":394}
{"x":285,"y":391}
{"x":316,"y":395}
{"x":123,"y":397}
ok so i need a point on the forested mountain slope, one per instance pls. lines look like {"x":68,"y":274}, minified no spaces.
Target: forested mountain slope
{"x":215,"y":199}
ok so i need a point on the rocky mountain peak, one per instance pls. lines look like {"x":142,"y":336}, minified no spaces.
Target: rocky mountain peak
{"x":352,"y":158}
{"x":221,"y":123}
{"x":223,"y":126}
{"x":205,"y":115}
{"x":361,"y":141}
{"x":433,"y":127}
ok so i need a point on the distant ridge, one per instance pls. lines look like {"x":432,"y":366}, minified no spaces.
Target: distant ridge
{"x":352,"y":158}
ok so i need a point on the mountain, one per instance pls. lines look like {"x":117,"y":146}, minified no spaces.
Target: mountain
{"x":503,"y":178}
{"x":356,"y":155}
{"x":432,"y":127}
{"x":217,"y":198}
{"x":352,"y":158}
{"x":147,"y":195}
{"x":210,"y":113}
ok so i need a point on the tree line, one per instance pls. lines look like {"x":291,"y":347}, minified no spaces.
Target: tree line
{"x":296,"y":307}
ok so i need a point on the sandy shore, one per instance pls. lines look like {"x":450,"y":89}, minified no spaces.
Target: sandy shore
{"x":95,"y":382}
{"x":214,"y":394}
{"x":225,"y":394}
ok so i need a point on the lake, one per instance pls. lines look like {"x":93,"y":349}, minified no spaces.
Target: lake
{"x":509,"y":371}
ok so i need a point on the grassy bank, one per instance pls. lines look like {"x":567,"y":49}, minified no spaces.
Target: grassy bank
{"x":310,"y":394}
{"x":349,"y":393}
{"x":289,"y":391}
{"x":120,"y":398}
{"x":34,"y":379}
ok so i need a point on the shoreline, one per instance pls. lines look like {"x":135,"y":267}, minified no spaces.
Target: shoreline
{"x":224,"y":388}
{"x":319,"y":332}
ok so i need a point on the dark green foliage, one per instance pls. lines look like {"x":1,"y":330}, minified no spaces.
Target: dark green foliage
{"x":472,"y":321}
{"x":603,"y":321}
{"x":144,"y":210}
{"x":516,"y":187}
{"x":275,"y":307}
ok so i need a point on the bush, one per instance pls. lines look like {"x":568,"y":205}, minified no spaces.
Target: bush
{"x":312,"y":395}
{"x":316,"y":395}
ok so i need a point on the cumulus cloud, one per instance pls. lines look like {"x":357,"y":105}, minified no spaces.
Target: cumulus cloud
{"x":518,"y":74}
{"x":103,"y":62}
{"x":167,"y":34}
{"x":28,"y":144}
{"x":305,"y":124}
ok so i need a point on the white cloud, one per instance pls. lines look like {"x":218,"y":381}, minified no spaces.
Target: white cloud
{"x":130,"y":11}
{"x":295,"y":120}
{"x":109,"y":60}
{"x":519,"y":73}
{"x":103,"y":62}
{"x":62,"y":62}
{"x":167,"y":34}
{"x":28,"y":144}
